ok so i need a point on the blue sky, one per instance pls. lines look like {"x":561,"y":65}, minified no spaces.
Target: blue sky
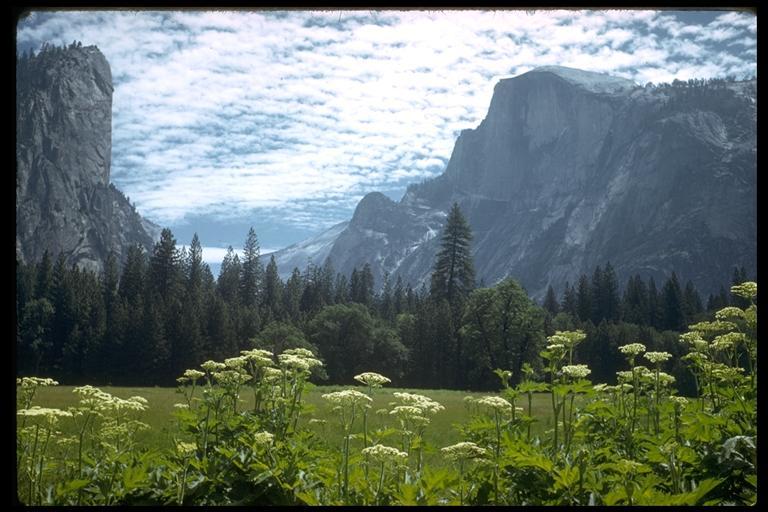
{"x":283,"y":120}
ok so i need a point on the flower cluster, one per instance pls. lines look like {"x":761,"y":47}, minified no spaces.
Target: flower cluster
{"x":29,"y":382}
{"x":212,"y":366}
{"x":258,"y":356}
{"x":381,"y":453}
{"x":657,"y":357}
{"x":299,"y":362}
{"x":348,"y":397}
{"x":263,"y":438}
{"x":632,"y":349}
{"x":494,"y":402}
{"x":576,"y":371}
{"x":729,"y":313}
{"x":463,"y":451}
{"x":747,"y":290}
{"x":185,"y":449}
{"x":424,"y":403}
{"x":568,"y":339}
{"x":51,"y":414}
{"x":679,"y":401}
{"x":372,"y":379}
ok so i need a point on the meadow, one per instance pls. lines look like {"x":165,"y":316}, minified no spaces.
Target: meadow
{"x":253,"y":430}
{"x":163,"y":426}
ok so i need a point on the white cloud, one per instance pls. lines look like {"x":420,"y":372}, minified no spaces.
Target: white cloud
{"x":226,"y":111}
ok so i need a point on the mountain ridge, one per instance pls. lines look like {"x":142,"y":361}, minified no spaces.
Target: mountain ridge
{"x":559,"y":178}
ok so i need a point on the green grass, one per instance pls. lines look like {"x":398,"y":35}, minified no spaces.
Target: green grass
{"x":440,"y":432}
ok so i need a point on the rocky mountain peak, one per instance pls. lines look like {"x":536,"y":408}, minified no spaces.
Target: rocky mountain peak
{"x":64,"y":199}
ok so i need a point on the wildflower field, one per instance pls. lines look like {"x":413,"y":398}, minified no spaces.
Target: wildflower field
{"x":252,"y":430}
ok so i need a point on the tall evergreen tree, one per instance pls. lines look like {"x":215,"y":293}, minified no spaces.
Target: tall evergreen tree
{"x":598,"y":296}
{"x":692,"y":305}
{"x":654,"y":305}
{"x":341,"y":289}
{"x":294,"y":288}
{"x":672,"y":304}
{"x":398,"y":296}
{"x":165,"y":266}
{"x":229,"y":277}
{"x":611,"y":302}
{"x":252,"y":271}
{"x":453,"y":276}
{"x":550,"y":302}
{"x":739,"y":276}
{"x":44,"y":274}
{"x":584,"y":299}
{"x":273,"y":290}
{"x":570,"y":303}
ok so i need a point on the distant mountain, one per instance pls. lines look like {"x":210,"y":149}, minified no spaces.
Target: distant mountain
{"x":571,"y":169}
{"x":313,"y":250}
{"x":64,"y":200}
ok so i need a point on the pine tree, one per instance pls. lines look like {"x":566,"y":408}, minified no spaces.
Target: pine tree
{"x":252,"y":271}
{"x":453,"y":276}
{"x":273,"y":290}
{"x":598,"y":296}
{"x":654,"y":305}
{"x":398,"y":296}
{"x":165,"y":266}
{"x":692,"y":305}
{"x":341,"y":289}
{"x":570,"y":304}
{"x":294,"y":288}
{"x":44,"y":274}
{"x":550,"y":302}
{"x":584,"y":299}
{"x":229,"y":277}
{"x":610,"y":294}
{"x":672,"y":303}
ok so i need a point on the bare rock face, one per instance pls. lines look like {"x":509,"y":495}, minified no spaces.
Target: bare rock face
{"x":64,"y":201}
{"x":571,"y":169}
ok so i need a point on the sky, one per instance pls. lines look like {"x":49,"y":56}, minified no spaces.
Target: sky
{"x":284,"y":120}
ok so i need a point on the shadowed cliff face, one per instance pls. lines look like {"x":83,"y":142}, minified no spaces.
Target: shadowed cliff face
{"x":64,"y":201}
{"x":572,"y":169}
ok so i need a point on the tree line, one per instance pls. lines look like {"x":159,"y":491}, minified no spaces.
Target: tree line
{"x":164,"y":312}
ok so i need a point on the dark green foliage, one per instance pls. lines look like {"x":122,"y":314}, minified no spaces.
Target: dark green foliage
{"x":550,"y":302}
{"x":453,"y":277}
{"x":252,"y":272}
{"x":503,"y":329}
{"x":163,"y":313}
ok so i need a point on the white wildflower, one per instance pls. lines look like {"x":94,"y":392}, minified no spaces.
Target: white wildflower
{"x":372,"y":379}
{"x":576,"y":371}
{"x":657,"y":357}
{"x":632,"y":349}
{"x":465,"y":450}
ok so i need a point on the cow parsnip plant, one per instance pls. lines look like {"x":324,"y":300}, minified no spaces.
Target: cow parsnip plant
{"x":633,"y":443}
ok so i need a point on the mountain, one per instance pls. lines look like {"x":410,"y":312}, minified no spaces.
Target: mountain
{"x":572,"y":169}
{"x":313,"y":250}
{"x":64,"y":200}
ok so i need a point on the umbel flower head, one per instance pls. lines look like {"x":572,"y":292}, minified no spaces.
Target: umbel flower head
{"x":348,"y":397}
{"x":632,"y":349}
{"x":657,"y":357}
{"x":576,"y":371}
{"x":747,"y":290}
{"x":462,"y":451}
{"x":426,"y":404}
{"x":263,"y":438}
{"x":372,"y":379}
{"x":381,"y":453}
{"x":495,"y":402}
{"x":30,"y":382}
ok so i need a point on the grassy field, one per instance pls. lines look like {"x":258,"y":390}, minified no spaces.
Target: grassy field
{"x":441,"y":431}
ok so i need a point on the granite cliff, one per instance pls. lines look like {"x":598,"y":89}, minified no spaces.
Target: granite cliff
{"x":571,"y":169}
{"x":64,"y":199}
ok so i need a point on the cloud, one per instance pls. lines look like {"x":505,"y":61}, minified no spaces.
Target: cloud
{"x":298,"y":114}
